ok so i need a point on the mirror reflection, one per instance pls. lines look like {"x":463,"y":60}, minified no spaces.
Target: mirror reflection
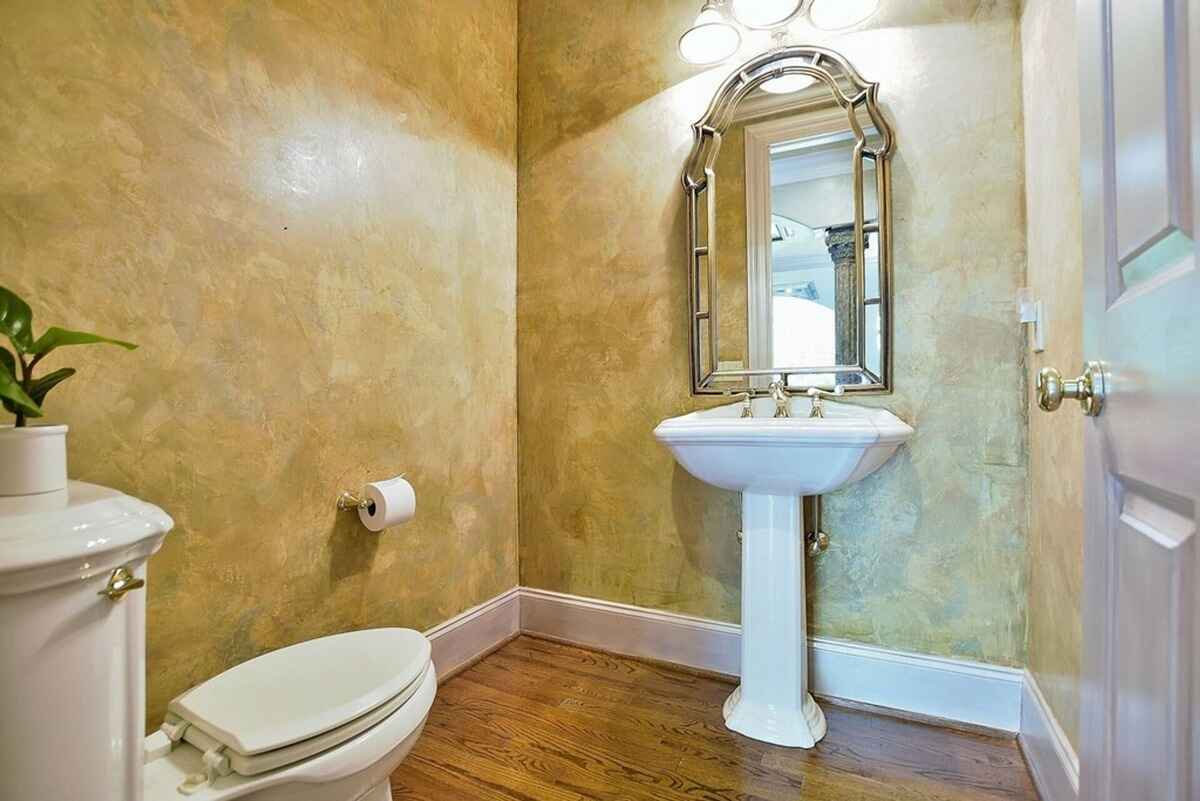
{"x":814,"y":308}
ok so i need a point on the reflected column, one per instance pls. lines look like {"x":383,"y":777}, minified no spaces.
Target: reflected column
{"x":839,"y":239}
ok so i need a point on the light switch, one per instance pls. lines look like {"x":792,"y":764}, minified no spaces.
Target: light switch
{"x":1032,"y":312}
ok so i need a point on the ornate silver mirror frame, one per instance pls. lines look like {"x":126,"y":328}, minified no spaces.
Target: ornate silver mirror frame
{"x":854,"y":95}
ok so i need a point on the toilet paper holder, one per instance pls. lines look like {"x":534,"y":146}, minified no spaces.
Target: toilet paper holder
{"x":350,"y":501}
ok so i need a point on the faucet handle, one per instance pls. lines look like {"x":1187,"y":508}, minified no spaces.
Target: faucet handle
{"x":746,"y":398}
{"x":817,"y":396}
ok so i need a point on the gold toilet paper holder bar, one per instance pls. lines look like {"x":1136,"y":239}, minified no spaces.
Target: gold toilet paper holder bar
{"x":350,"y":501}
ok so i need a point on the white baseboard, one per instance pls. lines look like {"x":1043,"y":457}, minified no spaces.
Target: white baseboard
{"x":623,"y":629}
{"x":1052,"y":760}
{"x":465,"y":637}
{"x":958,"y":690}
{"x":950,"y":689}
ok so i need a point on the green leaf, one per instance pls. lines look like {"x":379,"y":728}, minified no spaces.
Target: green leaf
{"x":8,"y":362}
{"x":16,"y":320}
{"x":40,"y":386}
{"x":56,"y":337}
{"x":11,"y":394}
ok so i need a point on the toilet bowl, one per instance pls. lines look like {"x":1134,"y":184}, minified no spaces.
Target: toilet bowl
{"x":323,"y":720}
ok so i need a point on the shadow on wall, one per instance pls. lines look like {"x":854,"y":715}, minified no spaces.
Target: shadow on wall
{"x":352,"y":547}
{"x":639,"y":59}
{"x":699,"y":512}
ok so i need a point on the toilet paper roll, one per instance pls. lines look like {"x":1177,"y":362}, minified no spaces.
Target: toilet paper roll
{"x":392,"y":501}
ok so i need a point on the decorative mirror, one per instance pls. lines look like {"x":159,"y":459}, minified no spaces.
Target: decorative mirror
{"x":790,"y":273}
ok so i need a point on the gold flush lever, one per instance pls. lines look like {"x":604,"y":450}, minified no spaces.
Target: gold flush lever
{"x":120,"y":582}
{"x":1088,"y":389}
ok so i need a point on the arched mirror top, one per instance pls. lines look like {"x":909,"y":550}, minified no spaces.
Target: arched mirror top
{"x":828,"y":68}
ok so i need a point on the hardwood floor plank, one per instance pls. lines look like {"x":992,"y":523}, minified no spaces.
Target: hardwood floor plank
{"x":627,"y":720}
{"x":543,"y":721}
{"x":449,"y":763}
{"x":916,"y":754}
{"x":589,"y":766}
{"x":752,"y":779}
{"x":418,"y":782}
{"x":658,"y":682}
{"x":600,"y":697}
{"x":501,"y":711}
{"x":576,"y":768}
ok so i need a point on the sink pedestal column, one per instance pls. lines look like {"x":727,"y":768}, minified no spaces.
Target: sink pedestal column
{"x":773,"y":703}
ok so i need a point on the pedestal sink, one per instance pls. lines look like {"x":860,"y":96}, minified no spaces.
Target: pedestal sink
{"x":774,"y":462}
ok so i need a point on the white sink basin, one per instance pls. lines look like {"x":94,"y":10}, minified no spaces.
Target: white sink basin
{"x":795,"y":455}
{"x":773,"y":462}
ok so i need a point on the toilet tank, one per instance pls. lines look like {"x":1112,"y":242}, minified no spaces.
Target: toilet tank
{"x":72,"y":659}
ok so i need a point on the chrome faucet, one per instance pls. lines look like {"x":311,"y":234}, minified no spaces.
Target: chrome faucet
{"x":778,"y":391}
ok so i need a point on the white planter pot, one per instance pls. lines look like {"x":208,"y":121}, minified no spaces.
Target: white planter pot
{"x":33,"y":459}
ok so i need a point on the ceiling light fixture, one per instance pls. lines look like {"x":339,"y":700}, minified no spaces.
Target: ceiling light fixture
{"x":835,"y":15}
{"x":714,"y":36}
{"x":763,"y":15}
{"x":711,"y":39}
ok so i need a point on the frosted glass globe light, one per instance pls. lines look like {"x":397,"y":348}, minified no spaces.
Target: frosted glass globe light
{"x":765,"y":14}
{"x":834,"y":15}
{"x":710,"y":40}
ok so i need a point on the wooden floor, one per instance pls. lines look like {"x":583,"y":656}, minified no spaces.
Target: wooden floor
{"x":540,"y":721}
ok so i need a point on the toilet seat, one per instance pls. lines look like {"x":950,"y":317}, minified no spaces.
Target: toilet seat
{"x":288,"y":705}
{"x":341,"y":773}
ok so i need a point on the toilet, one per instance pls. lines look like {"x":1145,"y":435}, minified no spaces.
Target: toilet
{"x":328,"y":719}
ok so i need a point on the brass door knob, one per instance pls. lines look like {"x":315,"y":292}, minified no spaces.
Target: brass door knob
{"x":1088,"y":389}
{"x":818,"y":543}
{"x":120,"y":582}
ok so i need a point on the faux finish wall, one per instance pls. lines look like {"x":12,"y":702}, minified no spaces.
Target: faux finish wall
{"x":734,"y":334}
{"x":1053,"y":203}
{"x":305,"y":213}
{"x":929,"y":554}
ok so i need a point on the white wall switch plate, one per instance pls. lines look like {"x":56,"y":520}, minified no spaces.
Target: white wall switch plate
{"x":1032,"y":312}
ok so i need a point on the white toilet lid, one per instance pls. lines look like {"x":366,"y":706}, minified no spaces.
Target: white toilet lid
{"x":304,"y":690}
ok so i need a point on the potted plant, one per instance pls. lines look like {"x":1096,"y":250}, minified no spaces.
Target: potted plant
{"x":33,"y":459}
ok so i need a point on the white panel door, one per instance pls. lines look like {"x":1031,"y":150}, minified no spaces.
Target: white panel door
{"x":1140,"y":152}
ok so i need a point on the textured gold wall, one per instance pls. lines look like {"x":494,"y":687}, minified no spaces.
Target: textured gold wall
{"x":1055,"y":274}
{"x":928,"y":554}
{"x":734,"y":334}
{"x":305,"y":212}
